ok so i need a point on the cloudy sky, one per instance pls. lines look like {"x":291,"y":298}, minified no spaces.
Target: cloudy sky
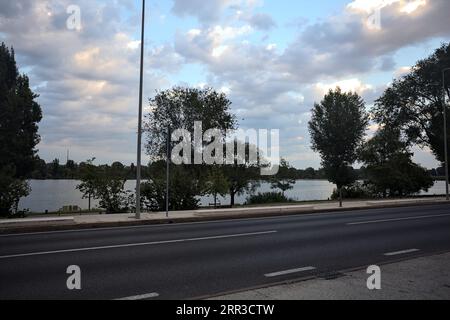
{"x":273,"y":58}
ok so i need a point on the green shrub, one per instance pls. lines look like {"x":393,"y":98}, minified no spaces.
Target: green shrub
{"x":355,"y":191}
{"x":268,"y":197}
{"x":184,"y":188}
{"x":11,"y":191}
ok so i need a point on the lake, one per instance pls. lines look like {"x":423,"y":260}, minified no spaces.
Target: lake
{"x":52,"y":195}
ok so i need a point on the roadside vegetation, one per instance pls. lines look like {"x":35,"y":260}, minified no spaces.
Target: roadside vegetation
{"x":408,"y":114}
{"x":268,"y":198}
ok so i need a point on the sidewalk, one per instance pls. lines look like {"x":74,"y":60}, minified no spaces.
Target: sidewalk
{"x":425,"y":278}
{"x":103,"y":220}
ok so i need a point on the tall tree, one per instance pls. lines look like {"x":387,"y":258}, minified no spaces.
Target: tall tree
{"x":337,"y":129}
{"x":414,"y":103}
{"x":19,"y":116}
{"x":180,"y":108}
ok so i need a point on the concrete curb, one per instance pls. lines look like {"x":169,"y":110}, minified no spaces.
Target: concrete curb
{"x":19,"y":222}
{"x":256,"y":210}
{"x":268,"y":212}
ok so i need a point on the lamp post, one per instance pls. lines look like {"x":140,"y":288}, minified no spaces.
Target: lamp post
{"x":169,"y":133}
{"x":139,"y":142}
{"x":445,"y":134}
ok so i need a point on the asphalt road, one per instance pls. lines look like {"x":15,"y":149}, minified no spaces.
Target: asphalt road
{"x":183,"y":261}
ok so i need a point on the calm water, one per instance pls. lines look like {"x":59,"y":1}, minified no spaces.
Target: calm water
{"x":52,"y":195}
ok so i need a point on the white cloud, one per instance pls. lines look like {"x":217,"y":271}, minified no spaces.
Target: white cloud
{"x":260,"y":21}
{"x":402,"y":71}
{"x":368,"y":6}
{"x":349,"y":85}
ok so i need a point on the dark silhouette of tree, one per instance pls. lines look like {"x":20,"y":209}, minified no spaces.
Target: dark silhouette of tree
{"x":19,"y":116}
{"x":414,"y":103}
{"x":389,"y":166}
{"x":55,"y":168}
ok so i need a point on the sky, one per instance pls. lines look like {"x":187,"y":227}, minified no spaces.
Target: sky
{"x":273,"y":58}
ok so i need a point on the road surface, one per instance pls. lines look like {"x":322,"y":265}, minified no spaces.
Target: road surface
{"x":183,"y":261}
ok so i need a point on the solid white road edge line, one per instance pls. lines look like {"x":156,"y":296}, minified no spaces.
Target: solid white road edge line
{"x":286,"y":272}
{"x":398,"y":219}
{"x":401,"y":252}
{"x":137,"y":244}
{"x":140,"y":297}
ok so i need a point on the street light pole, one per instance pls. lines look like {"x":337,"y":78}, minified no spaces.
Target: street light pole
{"x":139,"y":143}
{"x":445,"y":134}
{"x":169,"y":133}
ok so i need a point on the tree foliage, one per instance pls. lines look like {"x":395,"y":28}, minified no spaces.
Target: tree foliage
{"x":180,"y":108}
{"x":243,"y":175}
{"x":19,"y":116}
{"x":106,"y":185}
{"x":414,"y":103}
{"x":389,"y":166}
{"x":185,"y":185}
{"x":11,"y":191}
{"x":88,"y":176}
{"x":216,"y":183}
{"x":283,"y":180}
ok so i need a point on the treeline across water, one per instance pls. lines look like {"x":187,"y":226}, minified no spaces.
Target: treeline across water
{"x":73,"y":171}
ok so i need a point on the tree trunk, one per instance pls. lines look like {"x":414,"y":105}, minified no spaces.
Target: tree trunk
{"x":340,"y":197}
{"x":215,"y":201}
{"x":89,"y":205}
{"x":232,"y":194}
